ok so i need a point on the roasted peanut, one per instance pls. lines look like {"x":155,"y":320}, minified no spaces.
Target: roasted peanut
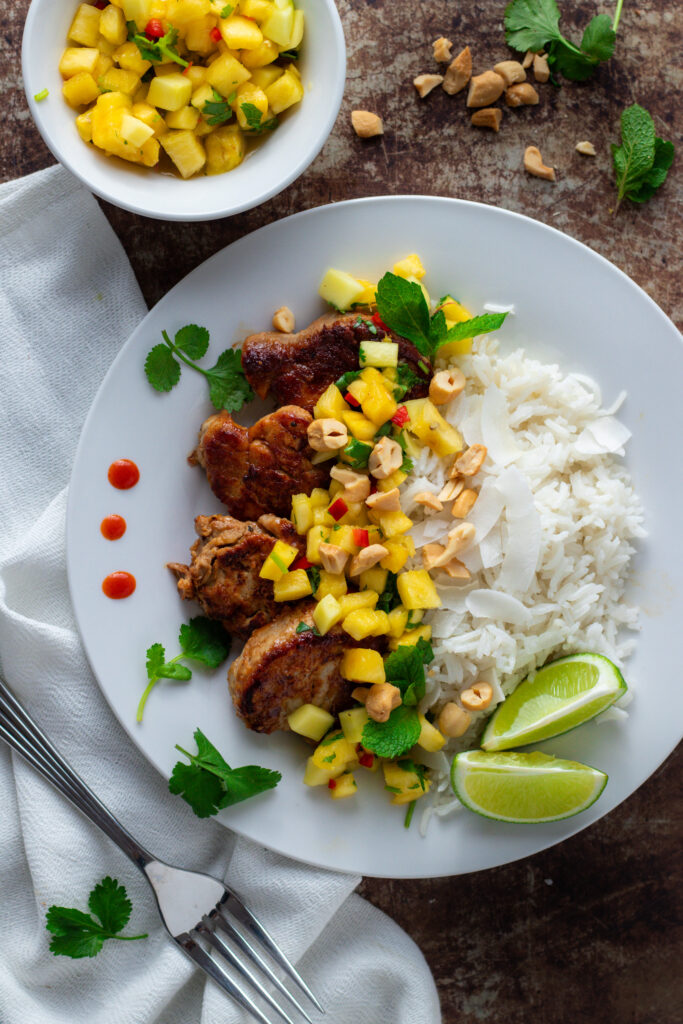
{"x":459,"y":73}
{"x":586,"y":148}
{"x":385,"y":501}
{"x":457,"y":570}
{"x":485,"y":89}
{"x":327,"y":435}
{"x":452,"y":720}
{"x":541,"y":69}
{"x":366,"y":124}
{"x":471,"y":461}
{"x":458,"y":539}
{"x":333,"y":557}
{"x":452,"y":488}
{"x":360,"y":693}
{"x":510,"y":71}
{"x":385,"y":458}
{"x":283,"y":320}
{"x":429,"y":500}
{"x":356,"y":485}
{"x":431,"y":553}
{"x":442,"y":49}
{"x":445,"y":385}
{"x":381,"y":701}
{"x":489,"y":117}
{"x":425,"y":83}
{"x":528,"y":59}
{"x":522,"y":95}
{"x":477,"y":697}
{"x":366,"y":558}
{"x":533,"y":163}
{"x":462,"y":506}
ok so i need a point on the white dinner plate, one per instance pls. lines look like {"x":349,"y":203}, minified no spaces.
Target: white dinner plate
{"x":571,"y":306}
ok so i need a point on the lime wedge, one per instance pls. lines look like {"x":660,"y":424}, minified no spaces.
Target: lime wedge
{"x":562,"y":695}
{"x":524,"y":788}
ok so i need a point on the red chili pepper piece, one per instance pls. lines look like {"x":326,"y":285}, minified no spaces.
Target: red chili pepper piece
{"x":401,"y":416}
{"x":154,"y":29}
{"x":378,"y":322}
{"x":189,"y":65}
{"x":338,"y":509}
{"x":215,"y":34}
{"x":332,"y":784}
{"x":301,"y":563}
{"x":101,"y":4}
{"x":348,"y":397}
{"x":360,"y":537}
{"x":359,"y":747}
{"x":367,"y":760}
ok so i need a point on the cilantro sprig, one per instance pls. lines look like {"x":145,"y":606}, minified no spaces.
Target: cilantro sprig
{"x":254,"y":119}
{"x":77,"y":934}
{"x":218,"y":110}
{"x":534,"y":25}
{"x":156,"y":50}
{"x":642,"y":161}
{"x":208,"y":783}
{"x":201,"y":640}
{"x":228,"y":386}
{"x":405,"y":669}
{"x":402,"y":306}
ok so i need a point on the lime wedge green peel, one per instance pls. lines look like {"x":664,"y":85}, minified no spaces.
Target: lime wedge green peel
{"x":524,"y":788}
{"x":562,"y":695}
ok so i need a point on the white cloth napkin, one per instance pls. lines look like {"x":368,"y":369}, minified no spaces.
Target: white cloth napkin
{"x":68,"y":300}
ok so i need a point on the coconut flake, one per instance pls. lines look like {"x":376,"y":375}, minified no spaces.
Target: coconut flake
{"x":495,"y":307}
{"x":487,"y":509}
{"x":615,"y":406}
{"x":495,"y":427}
{"x":430,"y":530}
{"x":523,"y":541}
{"x":491,"y":549}
{"x":492,"y":604}
{"x":602,"y":436}
{"x":470,"y":425}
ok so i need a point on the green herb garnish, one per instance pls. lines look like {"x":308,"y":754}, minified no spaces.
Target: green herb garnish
{"x":253,"y":117}
{"x":642,"y":161}
{"x":346,"y":379}
{"x":313,"y":577}
{"x":157,"y":50}
{"x":227,"y":11}
{"x":208,"y":783}
{"x":406,"y":379}
{"x":394,"y":737}
{"x":404,"y":668}
{"x":389,"y":598}
{"x":77,"y":934}
{"x":357,"y":453}
{"x":303,"y":627}
{"x":201,"y":640}
{"x":409,"y":814}
{"x":42,"y":95}
{"x":290,"y":54}
{"x":218,"y":110}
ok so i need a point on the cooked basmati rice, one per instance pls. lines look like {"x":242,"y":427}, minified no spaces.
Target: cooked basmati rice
{"x":555,"y":520}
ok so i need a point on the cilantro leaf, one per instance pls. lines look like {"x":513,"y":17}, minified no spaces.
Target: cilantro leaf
{"x":418,"y":769}
{"x":406,"y":380}
{"x":642,"y":161}
{"x":407,"y":464}
{"x":157,"y":50}
{"x":227,"y":11}
{"x":303,"y":627}
{"x":253,"y":117}
{"x":313,"y":577}
{"x":394,"y":737}
{"x":403,"y":308}
{"x":346,"y":379}
{"x":404,"y":668}
{"x":217,"y":110}
{"x":389,"y":598}
{"x":208,"y":783}
{"x":228,"y":386}
{"x":599,"y":38}
{"x":161,"y":369}
{"x":77,"y":934}
{"x":192,"y":340}
{"x":530,"y":24}
{"x":357,"y":453}
{"x":205,"y":641}
{"x":535,"y":25}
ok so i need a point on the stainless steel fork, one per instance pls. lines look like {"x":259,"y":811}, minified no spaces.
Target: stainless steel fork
{"x":203,"y":916}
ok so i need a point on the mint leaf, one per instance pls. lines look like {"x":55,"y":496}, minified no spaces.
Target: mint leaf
{"x":656,"y":176}
{"x":228,"y":386}
{"x":161,"y":369}
{"x":642,"y":161}
{"x":476,"y":325}
{"x":77,"y":934}
{"x":403,"y":308}
{"x":389,"y":598}
{"x":404,"y":667}
{"x":192,"y":340}
{"x":395,"y":736}
{"x":204,"y":640}
{"x":218,"y":110}
{"x":253,"y":117}
{"x":109,"y":901}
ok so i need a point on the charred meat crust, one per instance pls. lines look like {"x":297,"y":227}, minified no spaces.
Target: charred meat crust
{"x":223,"y":575}
{"x":296,"y":368}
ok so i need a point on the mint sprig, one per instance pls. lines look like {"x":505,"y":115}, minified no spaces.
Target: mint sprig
{"x":394,"y":737}
{"x":642,"y":161}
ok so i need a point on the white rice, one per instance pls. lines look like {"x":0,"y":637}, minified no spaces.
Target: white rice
{"x":555,"y":520}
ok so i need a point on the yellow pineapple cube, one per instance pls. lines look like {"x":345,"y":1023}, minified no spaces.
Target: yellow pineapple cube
{"x":129,"y":57}
{"x":315,"y":776}
{"x":397,"y":554}
{"x":334,"y":751}
{"x":119,"y":80}
{"x":373,"y":579}
{"x":361,"y":427}
{"x":198,"y":36}
{"x":363,"y":599}
{"x":263,"y":77}
{"x":363,"y":665}
{"x":327,"y":614}
{"x":85,"y":28}
{"x":134,"y":131}
{"x":113,"y":25}
{"x":333,"y":583}
{"x":185,"y":150}
{"x":342,"y":787}
{"x":226,"y":74}
{"x":240,"y":33}
{"x":430,"y":737}
{"x":110,"y":100}
{"x":398,"y":618}
{"x":180,"y":12}
{"x":330,"y":405}
{"x":186,"y":117}
{"x":204,"y":93}
{"x":406,"y":783}
{"x":80,"y":89}
{"x":314,"y":538}
{"x":427,"y":423}
{"x":395,"y":480}
{"x":280,"y":557}
{"x":393,"y":524}
{"x":360,"y":623}
{"x":196,"y":74}
{"x":352,"y":723}
{"x":259,"y":10}
{"x":378,"y":404}
{"x":102,"y":66}
{"x":319,"y":497}
{"x":416,"y":590}
{"x":170,"y":92}
{"x":410,"y":266}
{"x":337,"y":287}
{"x":84,"y":125}
{"x":292,"y":586}
{"x":285,"y":92}
{"x":302,"y":513}
{"x":150,"y":153}
{"x":279,"y":25}
{"x":151,"y":116}
{"x":310,"y":721}
{"x":455,"y":313}
{"x":77,"y":60}
{"x":262,"y":55}
{"x":248,"y":93}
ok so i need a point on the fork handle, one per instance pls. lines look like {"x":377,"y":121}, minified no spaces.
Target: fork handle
{"x":19,"y":730}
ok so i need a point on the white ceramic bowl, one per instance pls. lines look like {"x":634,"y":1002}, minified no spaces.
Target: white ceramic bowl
{"x":268,"y":169}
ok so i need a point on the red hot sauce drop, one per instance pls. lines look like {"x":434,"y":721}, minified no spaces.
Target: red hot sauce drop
{"x":113,"y":527}
{"x":118,"y":585}
{"x":123,"y":474}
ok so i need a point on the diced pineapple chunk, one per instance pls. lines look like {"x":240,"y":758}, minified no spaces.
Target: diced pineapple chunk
{"x":393,"y":524}
{"x":319,"y":497}
{"x":369,"y":293}
{"x":374,"y":579}
{"x":330,"y":405}
{"x":398,"y":617}
{"x":410,"y":266}
{"x":185,"y":150}
{"x":103,"y":65}
{"x":80,"y":89}
{"x":119,"y":80}
{"x":185,"y":118}
{"x":302,"y":513}
{"x":240,"y":33}
{"x":315,"y":776}
{"x":364,"y":622}
{"x":402,"y":779}
{"x":333,"y":751}
{"x":430,"y":737}
{"x":134,"y":131}
{"x":343,"y":786}
{"x":427,"y":423}
{"x":202,"y":94}
{"x":455,"y":313}
{"x":292,"y":586}
{"x":285,"y":92}
{"x":314,"y":538}
{"x":327,"y":614}
{"x":260,"y":56}
{"x":226,"y":73}
{"x":129,"y":57}
{"x":259,"y":10}
{"x":363,"y":665}
{"x":151,"y":116}
{"x":351,"y":602}
{"x":198,"y":36}
{"x":265,"y":76}
{"x":352,"y":723}
{"x":170,"y":92}
{"x":85,"y":28}
{"x":139,"y":11}
{"x":395,"y":480}
{"x":249,"y":94}
{"x":410,"y":638}
{"x":358,"y":425}
{"x":180,"y":12}
{"x":78,"y":59}
{"x":310,"y":721}
{"x":378,"y":353}
{"x":378,"y":405}
{"x":113,"y":25}
{"x":397,"y":554}
{"x":197,"y":75}
{"x":416,"y":589}
{"x":279,"y":25}
{"x":279,"y":559}
{"x":337,"y":287}
{"x":297,"y":32}
{"x":84,"y":125}
{"x":333,"y":583}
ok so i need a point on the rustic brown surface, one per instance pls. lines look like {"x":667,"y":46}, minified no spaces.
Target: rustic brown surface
{"x":590,"y":931}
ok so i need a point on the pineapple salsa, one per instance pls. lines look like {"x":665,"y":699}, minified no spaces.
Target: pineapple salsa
{"x":358,"y":541}
{"x":198,"y":80}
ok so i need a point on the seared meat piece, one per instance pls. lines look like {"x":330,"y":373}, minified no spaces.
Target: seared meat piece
{"x":223,"y":576}
{"x":298,"y":367}
{"x":280,"y":669}
{"x":258,"y":470}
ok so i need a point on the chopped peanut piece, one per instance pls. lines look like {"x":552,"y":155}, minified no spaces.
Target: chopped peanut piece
{"x":533,"y":163}
{"x":445,"y":385}
{"x":327,"y":435}
{"x":459,"y":73}
{"x":360,"y":693}
{"x":477,"y":697}
{"x":463,"y":504}
{"x":453,"y":721}
{"x":457,"y":570}
{"x":366,"y":558}
{"x":510,"y":71}
{"x":366,"y":124}
{"x":471,"y":461}
{"x":385,"y":458}
{"x":332,"y":557}
{"x":541,"y":69}
{"x":425,"y":83}
{"x":356,"y":485}
{"x":528,"y":59}
{"x":283,"y":320}
{"x":586,"y":148}
{"x":431,"y":553}
{"x":381,"y":701}
{"x":522,"y":95}
{"x":485,"y":89}
{"x":429,"y":500}
{"x":385,"y":501}
{"x":451,"y":489}
{"x":442,"y":49}
{"x":489,"y":117}
{"x":458,"y":539}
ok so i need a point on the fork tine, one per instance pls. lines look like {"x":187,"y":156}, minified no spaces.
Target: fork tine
{"x":237,"y":936}
{"x":245,"y":916}
{"x":221,"y":977}
{"x":205,"y":929}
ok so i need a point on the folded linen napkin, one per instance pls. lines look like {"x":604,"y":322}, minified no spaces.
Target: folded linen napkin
{"x":68,"y":300}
